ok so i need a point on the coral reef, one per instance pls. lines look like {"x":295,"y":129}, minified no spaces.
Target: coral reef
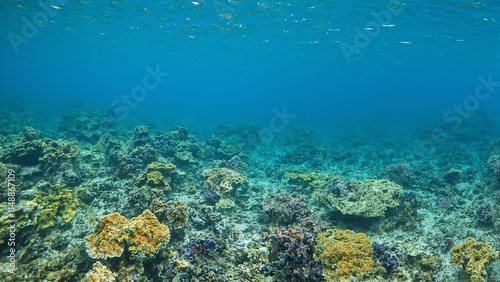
{"x":223,"y":180}
{"x":473,"y":256}
{"x":345,"y":255}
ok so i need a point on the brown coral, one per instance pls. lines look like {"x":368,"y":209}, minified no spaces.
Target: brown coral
{"x":223,"y":180}
{"x":345,"y":255}
{"x":472,"y":256}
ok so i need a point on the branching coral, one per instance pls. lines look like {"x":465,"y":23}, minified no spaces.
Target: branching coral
{"x":223,"y":180}
{"x":345,"y":255}
{"x":472,"y":256}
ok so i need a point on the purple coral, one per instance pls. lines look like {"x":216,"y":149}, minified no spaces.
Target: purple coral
{"x":285,"y":207}
{"x":291,"y":255}
{"x":485,"y":214}
{"x":234,"y":163}
{"x":382,"y":253}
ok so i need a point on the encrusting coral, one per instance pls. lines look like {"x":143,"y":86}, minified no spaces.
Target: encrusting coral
{"x":345,"y":255}
{"x":472,"y":256}
{"x":223,"y":180}
{"x":143,"y":234}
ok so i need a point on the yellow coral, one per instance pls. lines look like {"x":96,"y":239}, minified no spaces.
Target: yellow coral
{"x":344,"y":255}
{"x":223,"y":180}
{"x":99,"y":273}
{"x":472,"y":256}
{"x":157,"y":175}
{"x":149,"y":234}
{"x":144,"y":235}
{"x":60,"y":203}
{"x":108,"y":240}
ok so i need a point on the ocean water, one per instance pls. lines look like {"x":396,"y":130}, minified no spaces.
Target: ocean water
{"x":403,"y":90}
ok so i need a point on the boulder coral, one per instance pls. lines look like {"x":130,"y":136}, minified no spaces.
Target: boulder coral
{"x":473,"y":256}
{"x":143,"y":235}
{"x":223,"y":180}
{"x":345,"y":255}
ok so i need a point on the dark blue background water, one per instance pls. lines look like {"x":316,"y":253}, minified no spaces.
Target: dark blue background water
{"x":233,"y":62}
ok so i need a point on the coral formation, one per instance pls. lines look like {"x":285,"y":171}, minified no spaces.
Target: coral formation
{"x":143,"y":235}
{"x":368,"y":198}
{"x":291,"y":251}
{"x":148,"y":234}
{"x":223,"y":180}
{"x":285,"y":207}
{"x":176,"y":212}
{"x":99,"y":273}
{"x":58,"y":206}
{"x":108,"y":239}
{"x":345,"y":255}
{"x":473,"y":256}
{"x":157,"y":175}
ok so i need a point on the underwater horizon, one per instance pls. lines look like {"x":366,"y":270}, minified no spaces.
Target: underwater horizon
{"x":234,"y":140}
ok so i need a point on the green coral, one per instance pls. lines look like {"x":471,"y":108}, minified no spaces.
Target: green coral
{"x":59,"y":204}
{"x":473,"y":256}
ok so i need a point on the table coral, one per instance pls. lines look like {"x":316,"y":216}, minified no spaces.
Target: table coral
{"x":368,"y":198}
{"x":99,"y":273}
{"x":472,"y":256}
{"x":345,"y":255}
{"x":223,"y":180}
